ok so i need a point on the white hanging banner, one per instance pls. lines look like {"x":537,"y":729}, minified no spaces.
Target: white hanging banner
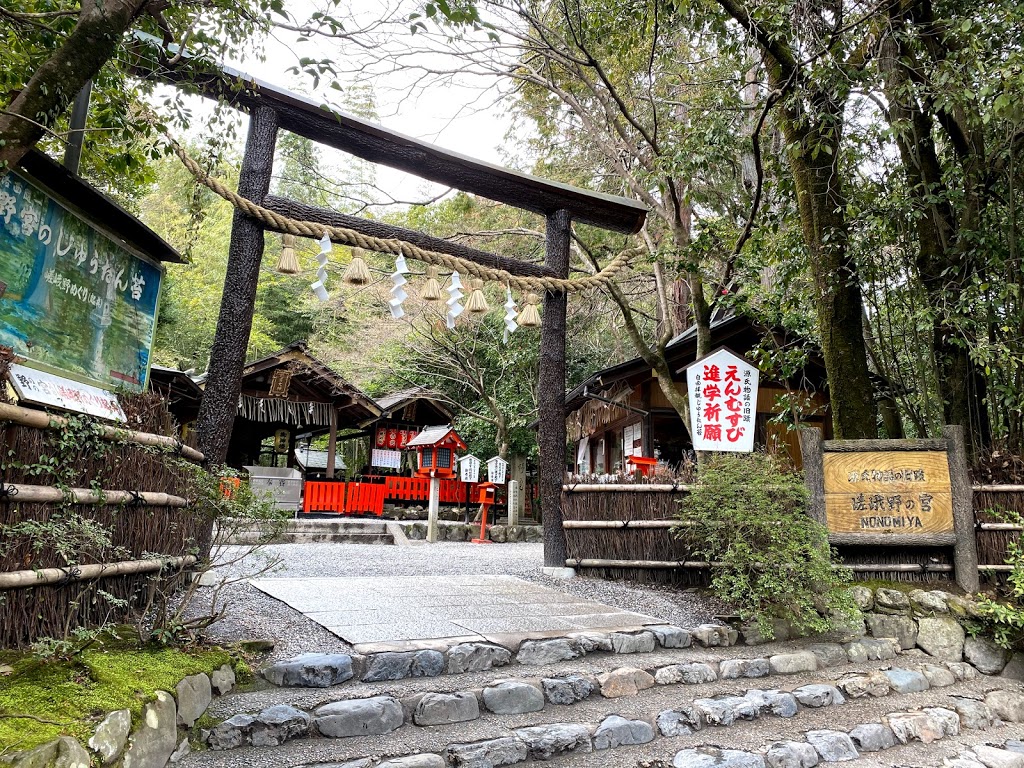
{"x":722,"y":388}
{"x":380,"y":457}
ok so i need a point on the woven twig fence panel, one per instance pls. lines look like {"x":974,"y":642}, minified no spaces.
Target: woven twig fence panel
{"x":653,"y":544}
{"x":659,"y":545}
{"x":992,"y":544}
{"x":136,"y":532}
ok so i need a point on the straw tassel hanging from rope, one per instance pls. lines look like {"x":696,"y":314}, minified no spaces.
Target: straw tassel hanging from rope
{"x":477,"y":303}
{"x":432,"y":288}
{"x":287,"y":264}
{"x":530,"y":316}
{"x":357,"y":273}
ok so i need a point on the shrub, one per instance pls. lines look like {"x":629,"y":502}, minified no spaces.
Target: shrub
{"x":1003,"y":617}
{"x":748,"y":516}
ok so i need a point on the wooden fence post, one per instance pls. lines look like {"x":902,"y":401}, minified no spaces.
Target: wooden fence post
{"x":814,"y":472}
{"x":965,"y":551}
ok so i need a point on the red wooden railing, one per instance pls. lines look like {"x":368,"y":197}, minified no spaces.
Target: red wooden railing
{"x":369,"y":497}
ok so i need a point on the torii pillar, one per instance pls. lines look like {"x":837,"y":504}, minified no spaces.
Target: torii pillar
{"x":234,"y":324}
{"x":551,"y":435}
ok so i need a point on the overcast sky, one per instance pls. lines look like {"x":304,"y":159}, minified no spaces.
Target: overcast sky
{"x":459,"y":115}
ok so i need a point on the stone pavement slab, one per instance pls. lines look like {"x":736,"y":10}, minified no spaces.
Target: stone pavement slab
{"x":406,"y":611}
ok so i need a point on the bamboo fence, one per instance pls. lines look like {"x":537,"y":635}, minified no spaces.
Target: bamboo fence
{"x":47,"y":586}
{"x":623,"y":532}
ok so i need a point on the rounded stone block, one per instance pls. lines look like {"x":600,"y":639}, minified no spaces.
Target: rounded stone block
{"x":359,"y":717}
{"x":512,"y":697}
{"x":445,"y":708}
{"x":311,"y":670}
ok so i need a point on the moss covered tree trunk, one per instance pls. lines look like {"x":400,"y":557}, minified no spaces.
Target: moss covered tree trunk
{"x":943,"y":264}
{"x":51,"y":89}
{"x":552,"y":434}
{"x":812,"y":103}
{"x":814,"y":161}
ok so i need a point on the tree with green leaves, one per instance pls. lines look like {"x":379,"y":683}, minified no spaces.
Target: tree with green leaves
{"x":596,"y":86}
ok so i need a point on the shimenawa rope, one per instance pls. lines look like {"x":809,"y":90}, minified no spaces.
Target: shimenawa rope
{"x":389,"y":245}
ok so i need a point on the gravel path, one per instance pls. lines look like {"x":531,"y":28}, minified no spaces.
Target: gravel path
{"x":252,"y":614}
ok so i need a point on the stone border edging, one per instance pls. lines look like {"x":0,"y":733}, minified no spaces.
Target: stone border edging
{"x":154,"y":744}
{"x":542,"y":742}
{"x":382,"y":713}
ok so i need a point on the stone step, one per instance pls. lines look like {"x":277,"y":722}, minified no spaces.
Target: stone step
{"x":339,"y":537}
{"x":610,"y":676}
{"x":650,"y":648}
{"x":670,"y":716}
{"x":337,"y":526}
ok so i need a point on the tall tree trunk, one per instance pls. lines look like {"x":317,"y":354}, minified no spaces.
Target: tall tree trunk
{"x":814,"y":160}
{"x":811,"y":117}
{"x":51,"y":89}
{"x":941,"y":264}
{"x":231,"y":340}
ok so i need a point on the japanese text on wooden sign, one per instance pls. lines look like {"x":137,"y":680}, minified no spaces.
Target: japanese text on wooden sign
{"x":72,"y":299}
{"x":469,"y":469}
{"x":380,"y":457}
{"x":905,"y":492}
{"x":41,"y":388}
{"x":722,"y":389}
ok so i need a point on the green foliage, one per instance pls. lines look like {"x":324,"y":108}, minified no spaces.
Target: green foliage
{"x":64,"y":697}
{"x":1003,"y":616}
{"x":172,"y":615}
{"x":70,"y":534}
{"x":748,"y":515}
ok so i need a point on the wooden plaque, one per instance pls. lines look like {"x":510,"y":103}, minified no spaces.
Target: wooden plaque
{"x":896,"y":492}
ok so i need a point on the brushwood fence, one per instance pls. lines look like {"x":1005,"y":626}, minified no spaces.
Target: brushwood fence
{"x":59,"y":501}
{"x":624,"y":532}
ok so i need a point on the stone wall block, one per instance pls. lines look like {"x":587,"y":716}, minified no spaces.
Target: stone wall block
{"x":941,"y":637}
{"x":157,"y":735}
{"x":111,"y":735}
{"x":194,"y":694}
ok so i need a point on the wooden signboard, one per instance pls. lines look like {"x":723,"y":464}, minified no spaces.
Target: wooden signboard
{"x":899,"y":492}
{"x":894,"y":493}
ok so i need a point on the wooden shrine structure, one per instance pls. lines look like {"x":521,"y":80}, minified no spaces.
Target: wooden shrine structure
{"x":272,"y":109}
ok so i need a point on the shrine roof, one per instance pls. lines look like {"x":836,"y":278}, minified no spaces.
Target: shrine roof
{"x":312,"y":381}
{"x":431,"y":436}
{"x":101,"y":211}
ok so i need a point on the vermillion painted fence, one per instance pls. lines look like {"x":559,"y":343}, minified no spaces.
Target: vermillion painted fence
{"x":369,"y":497}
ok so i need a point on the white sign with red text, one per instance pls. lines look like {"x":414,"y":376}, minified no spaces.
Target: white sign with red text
{"x":723,"y":402}
{"x":41,"y":388}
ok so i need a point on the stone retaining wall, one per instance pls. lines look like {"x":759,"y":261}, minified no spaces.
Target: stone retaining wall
{"x":455,"y":531}
{"x":160,"y":737}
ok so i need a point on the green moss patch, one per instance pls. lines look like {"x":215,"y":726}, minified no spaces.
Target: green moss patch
{"x":73,"y":696}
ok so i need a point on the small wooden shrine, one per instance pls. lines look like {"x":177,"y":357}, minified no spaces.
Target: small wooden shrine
{"x":435,"y":449}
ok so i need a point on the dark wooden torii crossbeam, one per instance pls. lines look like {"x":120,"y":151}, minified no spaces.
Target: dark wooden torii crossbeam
{"x":271,"y":108}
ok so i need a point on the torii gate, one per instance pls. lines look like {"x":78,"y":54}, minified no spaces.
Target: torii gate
{"x":271,"y":109}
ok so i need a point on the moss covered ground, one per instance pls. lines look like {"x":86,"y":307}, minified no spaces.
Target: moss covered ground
{"x":54,"y":698}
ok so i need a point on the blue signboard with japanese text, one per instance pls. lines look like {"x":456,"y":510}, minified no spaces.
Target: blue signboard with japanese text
{"x":72,"y":300}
